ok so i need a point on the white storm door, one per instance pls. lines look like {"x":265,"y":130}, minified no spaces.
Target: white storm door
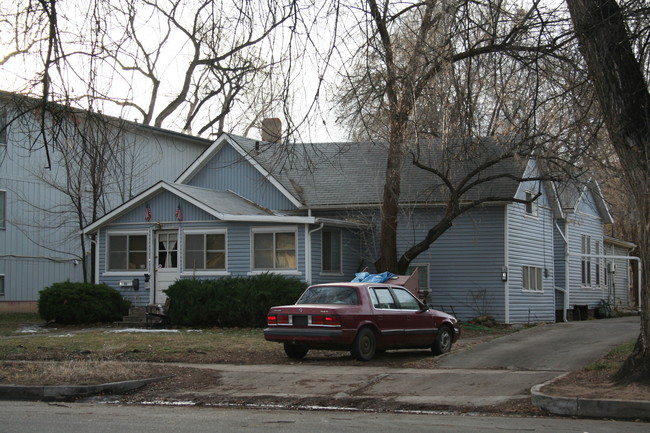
{"x":166,"y":263}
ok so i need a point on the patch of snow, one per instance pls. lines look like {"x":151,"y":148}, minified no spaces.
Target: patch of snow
{"x":134,"y":330}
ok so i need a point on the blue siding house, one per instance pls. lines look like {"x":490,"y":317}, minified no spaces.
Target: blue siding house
{"x":39,"y":225}
{"x":312,"y":211}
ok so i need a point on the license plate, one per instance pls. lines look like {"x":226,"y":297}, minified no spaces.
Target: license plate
{"x":299,"y":321}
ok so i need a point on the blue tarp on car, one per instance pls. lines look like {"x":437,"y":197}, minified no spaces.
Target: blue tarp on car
{"x":367,"y":277}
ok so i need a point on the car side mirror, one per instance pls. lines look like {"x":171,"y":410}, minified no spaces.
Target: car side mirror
{"x":424,"y":307}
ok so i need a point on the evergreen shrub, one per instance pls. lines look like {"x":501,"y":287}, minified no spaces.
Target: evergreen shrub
{"x":230,"y":301}
{"x":70,"y":303}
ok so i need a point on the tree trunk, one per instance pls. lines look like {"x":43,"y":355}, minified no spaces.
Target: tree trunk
{"x":625,"y":101}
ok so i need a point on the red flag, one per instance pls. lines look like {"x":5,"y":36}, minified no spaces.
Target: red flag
{"x":179,"y":213}
{"x":147,"y":213}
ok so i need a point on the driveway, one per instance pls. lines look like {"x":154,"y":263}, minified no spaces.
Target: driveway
{"x":555,"y":347}
{"x":499,"y":371}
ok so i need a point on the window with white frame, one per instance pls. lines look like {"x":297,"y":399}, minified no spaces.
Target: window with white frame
{"x":597,"y":266}
{"x":127,"y":252}
{"x":531,"y":206}
{"x":586,"y":260}
{"x":205,"y":251}
{"x":3,"y":128}
{"x":3,"y":209}
{"x":274,"y":249}
{"x":331,"y":251}
{"x":423,"y":274}
{"x":2,"y":285}
{"x":532,"y":278}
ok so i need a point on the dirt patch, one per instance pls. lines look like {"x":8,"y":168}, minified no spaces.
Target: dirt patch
{"x":596,"y":384}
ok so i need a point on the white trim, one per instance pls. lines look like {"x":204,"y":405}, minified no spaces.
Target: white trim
{"x":273,"y":230}
{"x":123,"y":232}
{"x":3,"y":209}
{"x":198,"y":231}
{"x":207,"y":155}
{"x":165,"y":186}
{"x":340,"y":270}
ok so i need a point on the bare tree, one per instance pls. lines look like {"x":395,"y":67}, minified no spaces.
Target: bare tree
{"x":621,"y":85}
{"x":414,"y":50}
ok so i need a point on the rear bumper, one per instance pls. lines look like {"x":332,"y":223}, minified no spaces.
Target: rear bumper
{"x":307,"y":335}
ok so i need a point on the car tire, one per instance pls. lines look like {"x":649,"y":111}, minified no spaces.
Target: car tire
{"x":365,"y":345}
{"x":443,"y":341}
{"x":295,"y":351}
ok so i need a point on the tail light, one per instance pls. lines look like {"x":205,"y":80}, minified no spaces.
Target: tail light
{"x":326,"y":320}
{"x":277,"y":319}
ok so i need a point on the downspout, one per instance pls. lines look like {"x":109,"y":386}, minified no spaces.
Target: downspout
{"x":308,"y":265}
{"x":565,"y":237}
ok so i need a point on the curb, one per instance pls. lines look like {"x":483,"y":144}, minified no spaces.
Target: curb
{"x":588,"y":407}
{"x":67,"y":392}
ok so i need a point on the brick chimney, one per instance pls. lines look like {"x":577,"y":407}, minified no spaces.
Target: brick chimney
{"x":271,"y":129}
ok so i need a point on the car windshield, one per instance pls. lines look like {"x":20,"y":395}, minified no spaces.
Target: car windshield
{"x":330,"y":295}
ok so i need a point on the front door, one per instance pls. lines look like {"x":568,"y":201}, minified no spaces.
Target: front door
{"x":166,"y":271}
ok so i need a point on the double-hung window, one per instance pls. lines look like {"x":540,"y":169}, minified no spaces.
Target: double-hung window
{"x":532,"y":278}
{"x":3,"y":209}
{"x":205,"y":251}
{"x":274,"y":249}
{"x":3,"y":128}
{"x":586,"y":260}
{"x":331,"y":251}
{"x":127,"y":252}
{"x":531,"y":206}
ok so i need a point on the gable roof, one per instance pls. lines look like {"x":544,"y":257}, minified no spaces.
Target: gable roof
{"x":223,"y":205}
{"x":328,"y":175}
{"x":572,"y":193}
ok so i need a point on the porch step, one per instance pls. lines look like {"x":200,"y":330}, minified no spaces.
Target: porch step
{"x":137,"y":317}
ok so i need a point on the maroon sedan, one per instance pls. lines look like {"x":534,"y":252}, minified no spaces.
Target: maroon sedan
{"x":361,"y":318}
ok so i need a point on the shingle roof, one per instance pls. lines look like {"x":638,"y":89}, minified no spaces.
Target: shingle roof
{"x":335,"y":174}
{"x":224,"y":202}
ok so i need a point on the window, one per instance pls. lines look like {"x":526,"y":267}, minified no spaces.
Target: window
{"x":2,"y":285}
{"x":598,"y":261}
{"x":383,"y":299}
{"x":3,"y":207}
{"x":331,"y":251}
{"x":423,"y":276}
{"x":274,"y":249}
{"x":586,"y":260}
{"x":205,"y":251}
{"x":3,"y":128}
{"x":406,"y":300}
{"x":531,"y":206}
{"x":167,"y":250}
{"x":127,"y":252}
{"x":532,"y":278}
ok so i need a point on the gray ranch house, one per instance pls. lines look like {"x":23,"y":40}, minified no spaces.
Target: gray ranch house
{"x":312,"y":211}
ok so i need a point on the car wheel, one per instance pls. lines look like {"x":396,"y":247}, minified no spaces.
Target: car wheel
{"x":295,"y":351}
{"x":443,"y":341}
{"x":365,"y":345}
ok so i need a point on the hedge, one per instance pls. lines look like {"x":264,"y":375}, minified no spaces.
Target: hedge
{"x":81,"y":303}
{"x":230,"y":301}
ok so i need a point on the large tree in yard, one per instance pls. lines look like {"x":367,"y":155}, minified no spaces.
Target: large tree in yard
{"x":621,"y":87}
{"x":406,"y":54}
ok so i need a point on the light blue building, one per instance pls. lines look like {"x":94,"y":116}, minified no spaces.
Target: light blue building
{"x":312,"y":211}
{"x":39,"y":235}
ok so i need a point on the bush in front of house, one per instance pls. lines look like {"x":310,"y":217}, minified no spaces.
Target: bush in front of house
{"x":69,"y":303}
{"x":230,"y":301}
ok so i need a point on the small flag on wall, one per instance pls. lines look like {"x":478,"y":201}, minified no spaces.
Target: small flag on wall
{"x":147,"y":213}
{"x":179,"y":213}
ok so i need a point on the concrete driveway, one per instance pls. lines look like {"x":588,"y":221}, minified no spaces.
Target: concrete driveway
{"x":496,"y":372}
{"x":557,"y":347}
